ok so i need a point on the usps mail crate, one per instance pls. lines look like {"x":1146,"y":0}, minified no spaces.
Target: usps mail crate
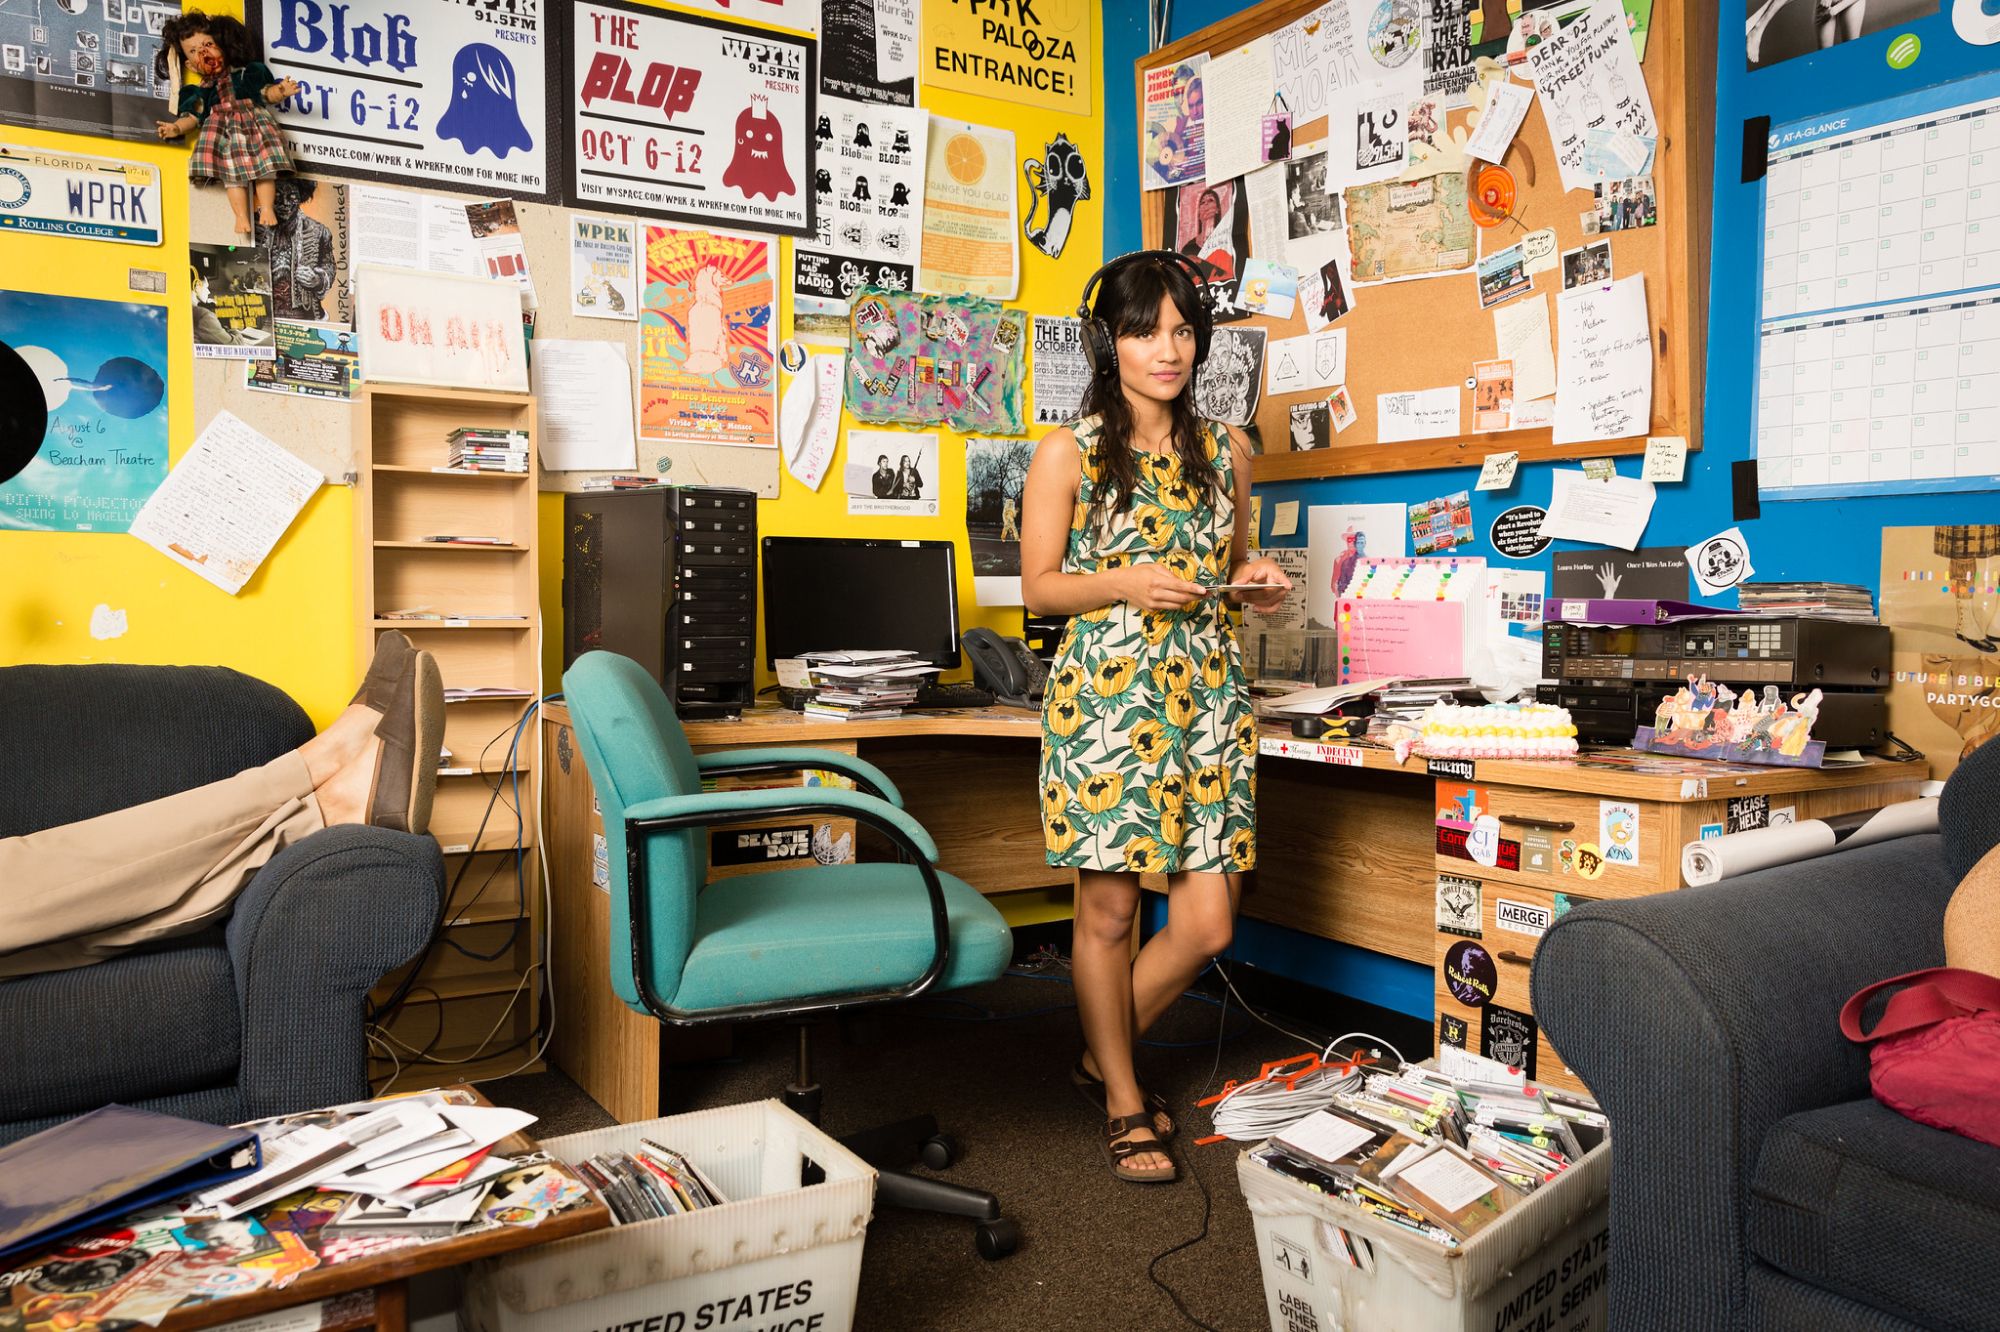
{"x":776,"y":1256}
{"x":1540,"y":1268}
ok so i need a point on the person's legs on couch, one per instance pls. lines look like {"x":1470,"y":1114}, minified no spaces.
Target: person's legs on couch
{"x":92,"y":889}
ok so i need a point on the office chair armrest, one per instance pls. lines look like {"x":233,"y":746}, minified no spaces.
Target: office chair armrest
{"x":766,"y":802}
{"x":709,"y":808}
{"x":756,"y":762}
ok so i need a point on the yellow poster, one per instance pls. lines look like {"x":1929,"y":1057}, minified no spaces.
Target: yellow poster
{"x":1032,"y":51}
{"x":970,"y":244}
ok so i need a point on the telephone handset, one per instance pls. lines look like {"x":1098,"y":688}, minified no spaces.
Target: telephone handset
{"x":1004,"y":666}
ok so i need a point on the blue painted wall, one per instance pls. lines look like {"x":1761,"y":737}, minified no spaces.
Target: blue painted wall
{"x":1830,"y":539}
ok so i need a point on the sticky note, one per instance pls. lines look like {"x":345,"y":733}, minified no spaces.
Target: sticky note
{"x":1285,"y":519}
{"x":1497,"y":472}
{"x":1666,"y":458}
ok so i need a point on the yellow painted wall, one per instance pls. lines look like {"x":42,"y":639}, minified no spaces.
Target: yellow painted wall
{"x":293,"y":623}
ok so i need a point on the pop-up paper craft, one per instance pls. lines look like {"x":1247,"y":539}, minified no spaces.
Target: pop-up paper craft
{"x":1708,"y":720}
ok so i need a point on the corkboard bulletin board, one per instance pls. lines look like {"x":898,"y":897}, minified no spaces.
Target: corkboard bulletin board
{"x":1427,"y":333}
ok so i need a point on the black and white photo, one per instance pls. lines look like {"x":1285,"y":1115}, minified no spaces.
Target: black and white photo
{"x":1777,"y":30}
{"x":892,"y":472}
{"x":1310,"y":210}
{"x":1312,"y":425}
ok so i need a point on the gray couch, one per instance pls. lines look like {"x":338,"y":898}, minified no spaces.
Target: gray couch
{"x":259,"y":1016}
{"x":1755,"y":1183}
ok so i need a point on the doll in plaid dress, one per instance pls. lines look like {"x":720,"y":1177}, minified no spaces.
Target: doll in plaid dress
{"x":239,"y":146}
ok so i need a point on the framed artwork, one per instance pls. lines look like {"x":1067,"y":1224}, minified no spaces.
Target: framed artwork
{"x":441,"y":329}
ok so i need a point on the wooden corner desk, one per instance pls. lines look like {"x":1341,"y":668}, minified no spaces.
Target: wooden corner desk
{"x":1351,"y":844}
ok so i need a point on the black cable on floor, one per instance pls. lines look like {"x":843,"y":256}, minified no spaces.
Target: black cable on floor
{"x":1207,"y":1200}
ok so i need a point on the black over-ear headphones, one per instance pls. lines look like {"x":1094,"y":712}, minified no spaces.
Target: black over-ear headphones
{"x":1100,"y":346}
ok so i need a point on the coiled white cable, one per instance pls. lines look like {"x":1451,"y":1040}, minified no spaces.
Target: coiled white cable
{"x":1255,"y":1110}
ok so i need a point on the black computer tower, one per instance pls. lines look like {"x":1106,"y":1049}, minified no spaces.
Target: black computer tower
{"x":667,"y":577}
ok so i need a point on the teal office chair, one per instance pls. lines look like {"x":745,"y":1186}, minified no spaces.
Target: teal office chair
{"x":784,"y":943}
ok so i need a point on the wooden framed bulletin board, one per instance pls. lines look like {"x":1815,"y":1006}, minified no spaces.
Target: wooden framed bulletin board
{"x":1426,"y":333}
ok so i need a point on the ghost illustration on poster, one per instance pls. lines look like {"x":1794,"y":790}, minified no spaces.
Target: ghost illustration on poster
{"x":758,"y":169}
{"x":483,"y":112}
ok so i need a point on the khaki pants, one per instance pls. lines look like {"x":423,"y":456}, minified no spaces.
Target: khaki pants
{"x":87,"y":891}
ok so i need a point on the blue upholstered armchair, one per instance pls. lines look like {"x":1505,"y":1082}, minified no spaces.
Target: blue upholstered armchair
{"x":259,"y":1016}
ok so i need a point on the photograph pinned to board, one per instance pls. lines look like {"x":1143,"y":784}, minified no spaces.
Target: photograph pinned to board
{"x":891,"y":472}
{"x":1338,"y":538}
{"x":314,"y":360}
{"x":1400,"y":231}
{"x":1268,"y":289}
{"x":969,"y":244}
{"x":1430,"y":150}
{"x":1174,"y":114}
{"x":727,"y":140}
{"x":1441,"y":524}
{"x":101,"y":367}
{"x":308,"y":250}
{"x":226,"y":503}
{"x":440,"y":329}
{"x":707,"y":351}
{"x":1309,"y":209}
{"x":996,"y":474}
{"x":869,"y":176}
{"x":867,"y":50}
{"x":1587,"y":265}
{"x":1622,"y":205}
{"x":1778,"y":30}
{"x":603,"y":267}
{"x":1211,"y":224}
{"x":232,"y":301}
{"x":503,"y":252}
{"x":1058,"y":181}
{"x":1058,"y":370}
{"x":1325,"y":291}
{"x":1311,"y":425}
{"x":1503,"y":275}
{"x":1340,"y":403}
{"x":1230,"y":381}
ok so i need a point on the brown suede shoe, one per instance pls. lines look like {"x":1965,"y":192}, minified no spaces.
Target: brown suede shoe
{"x":412,"y":734}
{"x":392,"y":654}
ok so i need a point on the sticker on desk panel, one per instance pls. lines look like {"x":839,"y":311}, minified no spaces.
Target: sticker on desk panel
{"x":1451,"y":1030}
{"x":1458,"y":770}
{"x":1589,"y":861}
{"x":1538,"y":852}
{"x":1564,"y":901}
{"x":1748,"y":812}
{"x":1508,"y":1037}
{"x":1469,"y":974}
{"x":1483,"y":842}
{"x":600,"y":862}
{"x":1459,"y":805}
{"x":1566,"y":856}
{"x":1618,"y":831}
{"x":831,"y":850}
{"x":760,"y":846}
{"x":1710,"y":831}
{"x":1458,"y":905}
{"x":1784,"y":816}
{"x":565,"y":755}
{"x":1522,"y":917}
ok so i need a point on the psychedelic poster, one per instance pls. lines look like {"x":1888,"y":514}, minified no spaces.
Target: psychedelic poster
{"x":688,"y":118}
{"x":922,"y":359}
{"x":706,"y":360}
{"x":102,"y":367}
{"x":448,"y":95}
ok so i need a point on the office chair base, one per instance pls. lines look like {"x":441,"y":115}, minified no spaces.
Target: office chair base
{"x":995,"y":1237}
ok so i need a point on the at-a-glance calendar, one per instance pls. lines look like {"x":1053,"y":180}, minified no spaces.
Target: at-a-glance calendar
{"x":1878,"y":339}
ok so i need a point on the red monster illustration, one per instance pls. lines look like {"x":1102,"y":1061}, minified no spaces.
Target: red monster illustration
{"x":759,"y":164}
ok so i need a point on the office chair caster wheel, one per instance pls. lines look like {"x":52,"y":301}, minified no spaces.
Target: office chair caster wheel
{"x":997,"y":1238}
{"x":939,"y":1151}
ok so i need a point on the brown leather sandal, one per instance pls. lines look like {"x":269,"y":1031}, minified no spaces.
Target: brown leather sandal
{"x":1119,"y":1149}
{"x":1092,"y":1090}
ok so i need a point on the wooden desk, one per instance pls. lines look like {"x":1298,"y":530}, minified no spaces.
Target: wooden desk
{"x":1348,"y":843}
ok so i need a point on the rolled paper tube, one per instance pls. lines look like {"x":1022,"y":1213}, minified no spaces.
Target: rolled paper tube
{"x":1734,"y":854}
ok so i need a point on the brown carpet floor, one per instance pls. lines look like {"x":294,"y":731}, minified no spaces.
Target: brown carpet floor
{"x":992,"y":1064}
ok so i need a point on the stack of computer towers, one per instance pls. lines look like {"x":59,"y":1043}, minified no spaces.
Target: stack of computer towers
{"x":667,"y":577}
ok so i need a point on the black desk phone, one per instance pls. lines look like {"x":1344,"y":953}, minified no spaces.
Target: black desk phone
{"x":1006,"y":667}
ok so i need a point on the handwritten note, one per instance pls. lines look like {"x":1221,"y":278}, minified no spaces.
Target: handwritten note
{"x":1303,"y":63}
{"x":1506,"y":107}
{"x":1588,"y":79}
{"x":1521,"y":331}
{"x":1604,"y":384}
{"x":1497,"y":472}
{"x":1417,"y":414}
{"x":1666,"y":458}
{"x":226,"y":503}
{"x":1285,"y":519}
{"x":827,"y":374}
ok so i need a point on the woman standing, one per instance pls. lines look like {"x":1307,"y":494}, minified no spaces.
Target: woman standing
{"x":1132,"y":519}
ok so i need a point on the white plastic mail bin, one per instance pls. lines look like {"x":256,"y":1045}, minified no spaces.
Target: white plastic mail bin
{"x":1540,"y":1268}
{"x":777,"y":1257}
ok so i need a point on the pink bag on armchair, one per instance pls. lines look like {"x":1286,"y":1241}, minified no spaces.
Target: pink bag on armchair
{"x":1936,"y":1056}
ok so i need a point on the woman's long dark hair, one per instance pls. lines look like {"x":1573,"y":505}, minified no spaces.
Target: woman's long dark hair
{"x":239,"y":48}
{"x":1128,"y":303}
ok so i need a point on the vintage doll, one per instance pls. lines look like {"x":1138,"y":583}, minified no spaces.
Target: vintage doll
{"x":240,"y":146}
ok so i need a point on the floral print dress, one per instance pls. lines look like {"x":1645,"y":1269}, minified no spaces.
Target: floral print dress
{"x":1149,"y":748}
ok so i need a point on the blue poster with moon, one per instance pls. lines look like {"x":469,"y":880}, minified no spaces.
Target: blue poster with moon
{"x":102,"y":367}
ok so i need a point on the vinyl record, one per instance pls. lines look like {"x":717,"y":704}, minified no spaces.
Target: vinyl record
{"x":24,"y":414}
{"x":1489,"y":195}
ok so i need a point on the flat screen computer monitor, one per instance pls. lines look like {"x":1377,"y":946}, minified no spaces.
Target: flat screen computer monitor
{"x":824,"y":594}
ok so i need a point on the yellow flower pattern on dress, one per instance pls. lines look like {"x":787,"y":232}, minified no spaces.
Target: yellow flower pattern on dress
{"x":1147,"y":736}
